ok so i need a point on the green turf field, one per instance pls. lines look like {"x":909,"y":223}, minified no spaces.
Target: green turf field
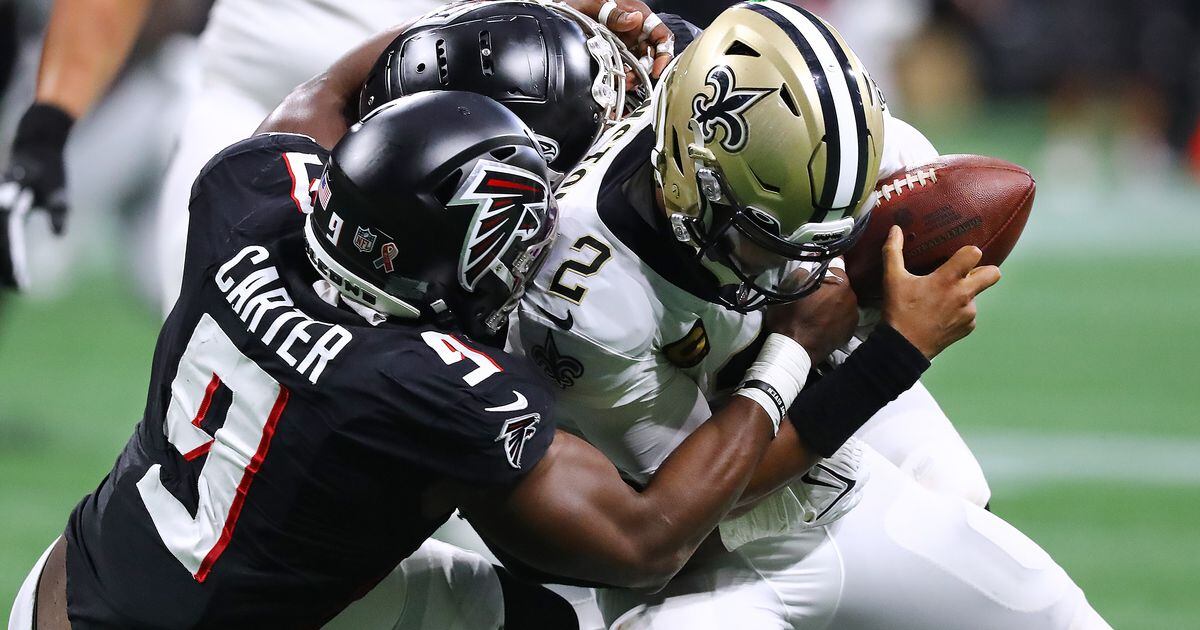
{"x":1066,"y":347}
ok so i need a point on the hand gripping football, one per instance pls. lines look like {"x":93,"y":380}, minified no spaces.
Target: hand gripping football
{"x":955,"y":200}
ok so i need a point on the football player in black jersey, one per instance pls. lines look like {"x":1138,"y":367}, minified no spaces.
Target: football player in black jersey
{"x":320,"y":399}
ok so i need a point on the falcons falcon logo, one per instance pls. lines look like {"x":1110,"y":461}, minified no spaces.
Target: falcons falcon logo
{"x":726,"y":108}
{"x":515,"y":433}
{"x":510,"y":203}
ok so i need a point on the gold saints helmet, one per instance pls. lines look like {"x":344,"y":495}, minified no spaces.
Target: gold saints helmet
{"x":769,"y":134}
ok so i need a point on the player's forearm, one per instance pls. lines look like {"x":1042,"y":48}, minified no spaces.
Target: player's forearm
{"x":87,"y":42}
{"x":573,"y":516}
{"x":698,"y":484}
{"x":826,"y":414}
{"x":785,"y":460}
{"x":320,"y":107}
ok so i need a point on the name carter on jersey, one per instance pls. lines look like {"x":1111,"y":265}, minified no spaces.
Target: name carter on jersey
{"x":257,"y":295}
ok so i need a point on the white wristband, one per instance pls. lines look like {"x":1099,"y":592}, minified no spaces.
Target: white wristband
{"x":606,"y":10}
{"x":651,"y":22}
{"x":777,"y":376}
{"x":766,"y":401}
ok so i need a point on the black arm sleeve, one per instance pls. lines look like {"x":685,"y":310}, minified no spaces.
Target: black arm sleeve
{"x":883,"y":367}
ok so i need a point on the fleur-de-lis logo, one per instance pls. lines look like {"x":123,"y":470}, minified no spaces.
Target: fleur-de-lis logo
{"x":726,"y":108}
{"x":562,"y":370}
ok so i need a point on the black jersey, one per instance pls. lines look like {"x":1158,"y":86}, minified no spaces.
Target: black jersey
{"x":278,"y":471}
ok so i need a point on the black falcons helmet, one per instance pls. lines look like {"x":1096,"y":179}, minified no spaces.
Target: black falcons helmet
{"x":562,"y":75}
{"x":435,"y":206}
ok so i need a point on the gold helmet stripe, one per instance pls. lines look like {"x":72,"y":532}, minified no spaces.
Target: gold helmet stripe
{"x":837,"y":83}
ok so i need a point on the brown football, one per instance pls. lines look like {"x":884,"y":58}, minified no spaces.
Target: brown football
{"x":955,"y":200}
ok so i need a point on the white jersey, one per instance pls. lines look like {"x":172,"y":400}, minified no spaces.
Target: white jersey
{"x":268,"y":47}
{"x":615,"y":318}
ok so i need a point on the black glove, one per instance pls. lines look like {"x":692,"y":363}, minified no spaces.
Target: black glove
{"x":35,"y":178}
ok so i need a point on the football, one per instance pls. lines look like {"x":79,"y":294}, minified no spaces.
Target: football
{"x":955,"y":200}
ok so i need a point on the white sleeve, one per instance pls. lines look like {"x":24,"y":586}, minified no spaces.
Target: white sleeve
{"x":903,"y":146}
{"x":635,"y":409}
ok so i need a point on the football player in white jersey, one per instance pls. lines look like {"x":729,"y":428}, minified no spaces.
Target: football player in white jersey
{"x":738,"y":191}
{"x":252,"y":53}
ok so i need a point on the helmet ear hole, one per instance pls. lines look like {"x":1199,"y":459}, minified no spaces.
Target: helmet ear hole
{"x":675,"y":154}
{"x":485,"y":53}
{"x":442,"y":62}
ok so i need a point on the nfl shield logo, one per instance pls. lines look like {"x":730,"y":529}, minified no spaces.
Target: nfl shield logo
{"x":364,"y":240}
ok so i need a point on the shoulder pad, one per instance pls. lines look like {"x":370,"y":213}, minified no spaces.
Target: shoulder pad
{"x":489,"y":411}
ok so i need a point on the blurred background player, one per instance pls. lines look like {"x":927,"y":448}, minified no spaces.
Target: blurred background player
{"x":250,"y":54}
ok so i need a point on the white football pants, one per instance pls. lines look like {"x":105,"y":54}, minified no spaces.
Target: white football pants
{"x":904,"y":558}
{"x":914,"y":433}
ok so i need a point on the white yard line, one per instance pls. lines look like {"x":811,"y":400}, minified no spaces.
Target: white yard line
{"x":1023,"y":459}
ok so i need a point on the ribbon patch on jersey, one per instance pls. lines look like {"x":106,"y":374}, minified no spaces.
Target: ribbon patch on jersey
{"x":691,"y":349}
{"x":726,"y":108}
{"x":515,"y":434}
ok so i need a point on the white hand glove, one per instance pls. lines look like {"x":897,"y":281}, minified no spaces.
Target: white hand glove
{"x":833,"y":486}
{"x":823,"y":495}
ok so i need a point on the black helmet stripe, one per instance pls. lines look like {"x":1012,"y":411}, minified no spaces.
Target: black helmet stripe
{"x":860,"y":118}
{"x":841,"y":103}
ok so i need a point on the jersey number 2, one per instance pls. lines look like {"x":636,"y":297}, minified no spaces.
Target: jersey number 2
{"x":575,"y":292}
{"x":235,"y":452}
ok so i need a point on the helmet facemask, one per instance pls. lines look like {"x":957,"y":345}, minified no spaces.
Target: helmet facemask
{"x":756,"y":265}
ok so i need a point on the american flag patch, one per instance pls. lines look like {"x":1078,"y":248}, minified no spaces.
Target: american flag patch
{"x":323,"y":193}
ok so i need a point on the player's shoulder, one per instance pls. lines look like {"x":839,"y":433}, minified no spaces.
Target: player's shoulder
{"x":904,"y":146}
{"x":447,"y":388}
{"x":432,"y":367}
{"x":252,"y":192}
{"x":620,"y":151}
{"x":594,"y":290}
{"x":265,"y":148}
